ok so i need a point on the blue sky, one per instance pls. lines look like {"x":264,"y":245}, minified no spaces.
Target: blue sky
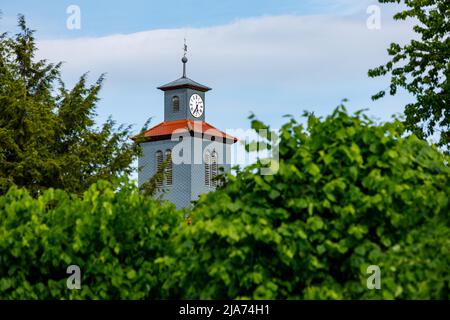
{"x":270,"y":57}
{"x":104,"y":17}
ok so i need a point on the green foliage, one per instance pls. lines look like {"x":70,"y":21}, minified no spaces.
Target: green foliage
{"x":422,"y":67}
{"x":116,"y":238}
{"x":418,"y":268}
{"x":47,"y":134}
{"x":152,"y":186}
{"x":348,"y":194}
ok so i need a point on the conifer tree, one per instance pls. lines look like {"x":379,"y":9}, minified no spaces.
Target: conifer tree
{"x":48,"y":134}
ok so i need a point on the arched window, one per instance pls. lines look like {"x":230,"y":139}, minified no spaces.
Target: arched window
{"x":175,"y":104}
{"x":207,"y":169}
{"x":159,"y":164}
{"x":169,"y":175}
{"x":214,"y":169}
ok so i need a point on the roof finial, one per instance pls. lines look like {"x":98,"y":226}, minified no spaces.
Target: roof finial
{"x":184,"y":59}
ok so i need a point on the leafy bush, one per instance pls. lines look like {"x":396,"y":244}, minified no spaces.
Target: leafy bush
{"x":348,"y":194}
{"x":114,"y":237}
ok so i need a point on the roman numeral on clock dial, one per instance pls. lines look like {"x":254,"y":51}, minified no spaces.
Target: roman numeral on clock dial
{"x":196,"y":105}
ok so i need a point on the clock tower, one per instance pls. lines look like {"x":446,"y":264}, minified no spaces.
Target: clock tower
{"x":184,"y":99}
{"x":187,"y":149}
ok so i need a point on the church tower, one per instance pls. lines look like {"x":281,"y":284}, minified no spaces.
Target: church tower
{"x":189,"y":150}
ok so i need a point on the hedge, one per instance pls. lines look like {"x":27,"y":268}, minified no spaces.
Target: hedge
{"x":349,"y":193}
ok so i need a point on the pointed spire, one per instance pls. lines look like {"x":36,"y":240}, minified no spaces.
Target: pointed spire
{"x":184,"y":59}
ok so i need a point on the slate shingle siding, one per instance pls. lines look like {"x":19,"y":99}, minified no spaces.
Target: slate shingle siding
{"x":188,"y":179}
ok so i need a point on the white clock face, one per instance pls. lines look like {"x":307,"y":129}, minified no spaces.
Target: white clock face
{"x":196,"y":105}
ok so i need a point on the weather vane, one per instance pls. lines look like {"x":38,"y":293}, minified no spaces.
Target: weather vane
{"x":185,"y":47}
{"x":184,"y":59}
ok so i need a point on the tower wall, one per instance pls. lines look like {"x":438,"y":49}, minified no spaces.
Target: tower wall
{"x":188,"y":178}
{"x":180,"y":191}
{"x":198,"y":185}
{"x":169,"y":115}
{"x":184,"y":94}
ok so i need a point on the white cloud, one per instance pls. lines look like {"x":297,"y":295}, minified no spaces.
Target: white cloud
{"x":284,"y":45}
{"x":326,"y":58}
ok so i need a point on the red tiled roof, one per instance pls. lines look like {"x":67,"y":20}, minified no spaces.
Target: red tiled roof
{"x":167,"y":128}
